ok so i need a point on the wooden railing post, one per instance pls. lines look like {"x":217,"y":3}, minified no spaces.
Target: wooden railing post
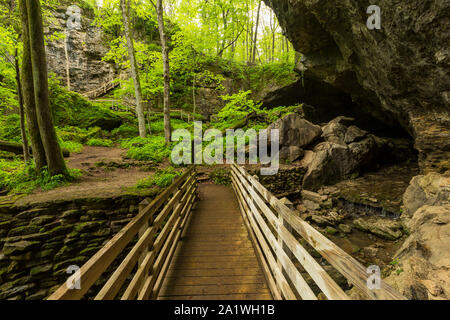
{"x":144,"y":203}
{"x":283,"y":222}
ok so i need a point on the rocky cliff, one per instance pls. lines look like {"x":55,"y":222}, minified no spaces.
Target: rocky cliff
{"x":80,"y":50}
{"x":398,"y":74}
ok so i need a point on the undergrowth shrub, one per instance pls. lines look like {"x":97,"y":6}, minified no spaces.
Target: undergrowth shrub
{"x":221,"y":176}
{"x":10,"y":128}
{"x":72,"y":109}
{"x":100,"y":142}
{"x":162,"y":178}
{"x":16,"y":177}
{"x":152,"y":148}
{"x":126,"y":130}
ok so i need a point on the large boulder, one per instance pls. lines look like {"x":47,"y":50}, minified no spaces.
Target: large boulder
{"x":334,"y":159}
{"x":295,"y":134}
{"x":398,"y":74}
{"x":381,"y":227}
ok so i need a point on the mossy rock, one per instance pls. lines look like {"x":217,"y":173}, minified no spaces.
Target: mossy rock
{"x":40,"y":269}
{"x":16,"y":248}
{"x":24,"y":230}
{"x":331,"y":231}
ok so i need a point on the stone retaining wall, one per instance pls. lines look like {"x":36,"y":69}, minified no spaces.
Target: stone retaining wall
{"x":39,"y":242}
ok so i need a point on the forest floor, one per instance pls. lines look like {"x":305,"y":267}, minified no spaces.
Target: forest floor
{"x":106,"y":173}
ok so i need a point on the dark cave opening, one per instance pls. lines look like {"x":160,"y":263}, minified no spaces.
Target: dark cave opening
{"x":323,"y":102}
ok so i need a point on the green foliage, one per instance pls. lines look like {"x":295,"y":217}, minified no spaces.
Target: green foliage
{"x":10,"y":128}
{"x":221,"y":176}
{"x":100,"y":142}
{"x":71,"y":146}
{"x":152,"y":148}
{"x":80,"y":135}
{"x":125,"y":131}
{"x":72,"y":109}
{"x":162,"y":178}
{"x":17,"y":177}
{"x":238,"y":106}
{"x":277,"y":73}
{"x":280,"y":112}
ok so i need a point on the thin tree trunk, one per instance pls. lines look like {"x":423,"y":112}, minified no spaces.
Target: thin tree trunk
{"x":148,"y":119}
{"x":23,"y":132}
{"x":165,"y":54}
{"x":193,"y":94}
{"x":66,"y":53}
{"x":125,"y":8}
{"x":256,"y":32}
{"x":28,"y":93}
{"x":287,"y":49}
{"x":55,"y":160}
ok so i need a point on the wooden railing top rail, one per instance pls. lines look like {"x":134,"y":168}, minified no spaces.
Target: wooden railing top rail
{"x":256,"y":198}
{"x":91,"y":271}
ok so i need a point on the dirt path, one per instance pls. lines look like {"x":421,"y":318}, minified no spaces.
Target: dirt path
{"x":111,"y":179}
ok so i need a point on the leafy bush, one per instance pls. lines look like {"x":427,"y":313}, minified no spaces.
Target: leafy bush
{"x":153,"y":148}
{"x":16,"y":177}
{"x":71,"y":146}
{"x":10,"y":128}
{"x":162,"y":178}
{"x":125,"y":131}
{"x":72,"y":109}
{"x":238,"y":106}
{"x":100,"y":142}
{"x":221,"y":176}
{"x":80,"y":135}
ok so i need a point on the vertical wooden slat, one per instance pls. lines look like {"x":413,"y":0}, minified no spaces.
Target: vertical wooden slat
{"x":343,"y":262}
{"x":280,"y":279}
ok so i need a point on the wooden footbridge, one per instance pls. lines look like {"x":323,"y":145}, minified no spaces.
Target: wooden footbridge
{"x":245,"y":244}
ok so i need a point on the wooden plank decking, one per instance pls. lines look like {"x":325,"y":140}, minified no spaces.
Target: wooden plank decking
{"x":215,"y":258}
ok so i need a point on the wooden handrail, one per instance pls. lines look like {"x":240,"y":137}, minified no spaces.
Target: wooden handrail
{"x":106,"y":87}
{"x":162,"y":218}
{"x":271,"y":222}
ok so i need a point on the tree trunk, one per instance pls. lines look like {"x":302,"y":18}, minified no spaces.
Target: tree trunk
{"x":55,"y":160}
{"x":23,"y":132}
{"x":125,"y":8}
{"x":193,"y":95}
{"x":28,"y":93}
{"x":66,"y":53}
{"x":17,"y":148}
{"x":165,"y":54}
{"x":148,"y":118}
{"x":256,"y":33}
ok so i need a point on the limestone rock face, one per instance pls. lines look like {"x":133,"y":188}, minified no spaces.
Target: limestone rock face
{"x":398,"y":74}
{"x":425,"y":256}
{"x":85,"y":49}
{"x":431,"y":189}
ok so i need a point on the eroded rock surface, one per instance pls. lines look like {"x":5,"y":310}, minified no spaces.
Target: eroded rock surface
{"x":85,"y":49}
{"x":398,"y":74}
{"x":295,"y":134}
{"x":335,"y":159}
{"x":423,"y":271}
